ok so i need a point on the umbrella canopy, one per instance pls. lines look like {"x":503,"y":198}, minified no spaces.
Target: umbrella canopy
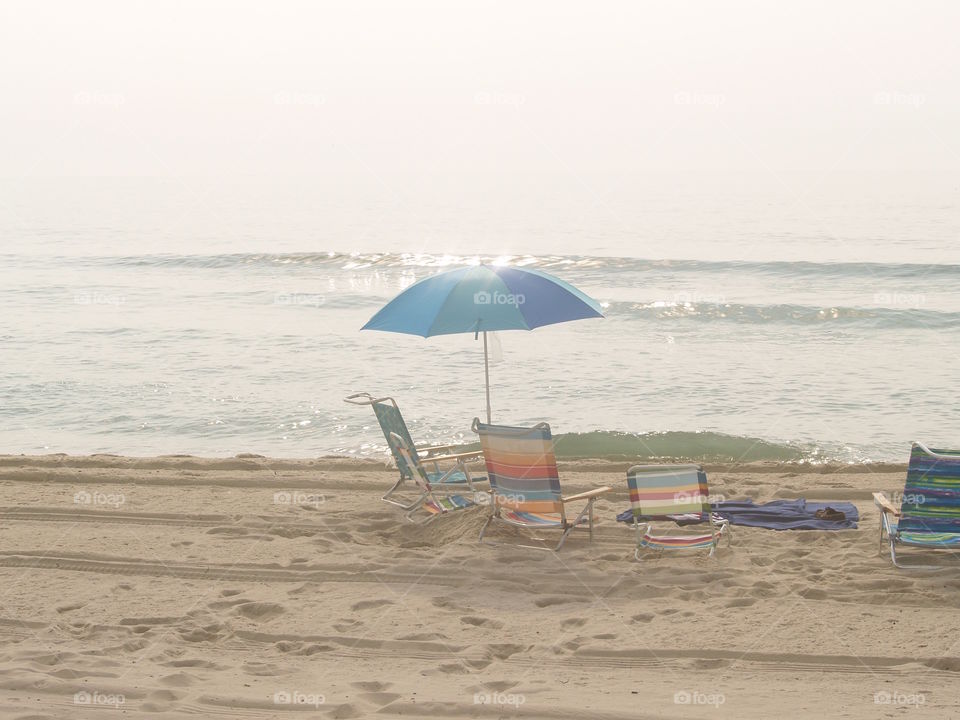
{"x":483,"y":298}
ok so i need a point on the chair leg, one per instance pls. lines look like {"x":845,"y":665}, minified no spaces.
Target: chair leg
{"x":896,"y":563}
{"x":563,"y":538}
{"x":404,"y":506}
{"x":485,"y":526}
{"x":587,"y":510}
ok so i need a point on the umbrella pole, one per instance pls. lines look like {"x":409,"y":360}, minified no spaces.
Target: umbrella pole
{"x":486,"y":373}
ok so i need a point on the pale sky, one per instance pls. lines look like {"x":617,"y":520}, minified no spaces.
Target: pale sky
{"x":384,"y":89}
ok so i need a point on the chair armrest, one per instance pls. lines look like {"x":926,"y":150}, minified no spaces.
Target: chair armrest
{"x":454,"y":456}
{"x":587,"y":494}
{"x":434,"y":448}
{"x":881,"y":501}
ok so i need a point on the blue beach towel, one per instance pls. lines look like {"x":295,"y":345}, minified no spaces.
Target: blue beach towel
{"x":796,"y":514}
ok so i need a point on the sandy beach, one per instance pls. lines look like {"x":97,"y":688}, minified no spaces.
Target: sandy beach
{"x":177,"y":587}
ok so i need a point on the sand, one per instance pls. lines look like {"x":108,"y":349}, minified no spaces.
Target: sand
{"x":180,"y":587}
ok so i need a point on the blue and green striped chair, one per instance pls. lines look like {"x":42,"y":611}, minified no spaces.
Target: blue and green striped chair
{"x":672,"y":492}
{"x":427,"y":458}
{"x":929,"y":512}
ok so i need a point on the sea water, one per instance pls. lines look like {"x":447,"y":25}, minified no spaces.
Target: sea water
{"x":213,"y":317}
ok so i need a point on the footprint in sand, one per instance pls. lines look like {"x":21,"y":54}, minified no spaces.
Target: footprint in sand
{"x":543,"y":602}
{"x":221,"y":604}
{"x":477,"y":621}
{"x":380,"y":699}
{"x":298,"y":648}
{"x":345,"y":625}
{"x":764,"y":589}
{"x":260,"y":610}
{"x":493,"y":686}
{"x":574,"y":622}
{"x":260,"y":669}
{"x":501,"y":651}
{"x":290,"y":533}
{"x":68,"y":608}
{"x":193,"y":663}
{"x":160,"y":701}
{"x":454,"y":669}
{"x":178,"y":680}
{"x":642,"y":617}
{"x":370,"y":604}
{"x":371,"y":686}
{"x":424,"y":637}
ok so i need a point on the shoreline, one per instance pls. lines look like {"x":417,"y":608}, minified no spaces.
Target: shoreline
{"x":255,"y":462}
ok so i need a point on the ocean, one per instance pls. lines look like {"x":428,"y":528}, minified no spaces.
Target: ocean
{"x":743,"y":321}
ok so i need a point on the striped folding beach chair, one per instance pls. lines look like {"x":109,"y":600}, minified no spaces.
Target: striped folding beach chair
{"x":929,"y":512}
{"x":428,"y":458}
{"x":524,"y":482}
{"x":434,"y":505}
{"x":672,"y":492}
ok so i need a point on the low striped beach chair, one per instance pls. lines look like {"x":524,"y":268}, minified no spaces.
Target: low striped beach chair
{"x":673,"y":492}
{"x":525,"y":484}
{"x":427,"y":457}
{"x":431,"y":503}
{"x":929,"y":512}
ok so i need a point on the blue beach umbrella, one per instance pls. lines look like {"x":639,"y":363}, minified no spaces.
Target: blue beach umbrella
{"x":482,"y":299}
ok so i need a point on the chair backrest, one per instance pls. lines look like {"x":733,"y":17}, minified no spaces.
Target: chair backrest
{"x":657,"y":491}
{"x":391,"y":421}
{"x":931,"y":495}
{"x":521,"y":467}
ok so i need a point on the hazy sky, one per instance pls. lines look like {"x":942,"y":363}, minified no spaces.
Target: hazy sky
{"x":381,"y":89}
